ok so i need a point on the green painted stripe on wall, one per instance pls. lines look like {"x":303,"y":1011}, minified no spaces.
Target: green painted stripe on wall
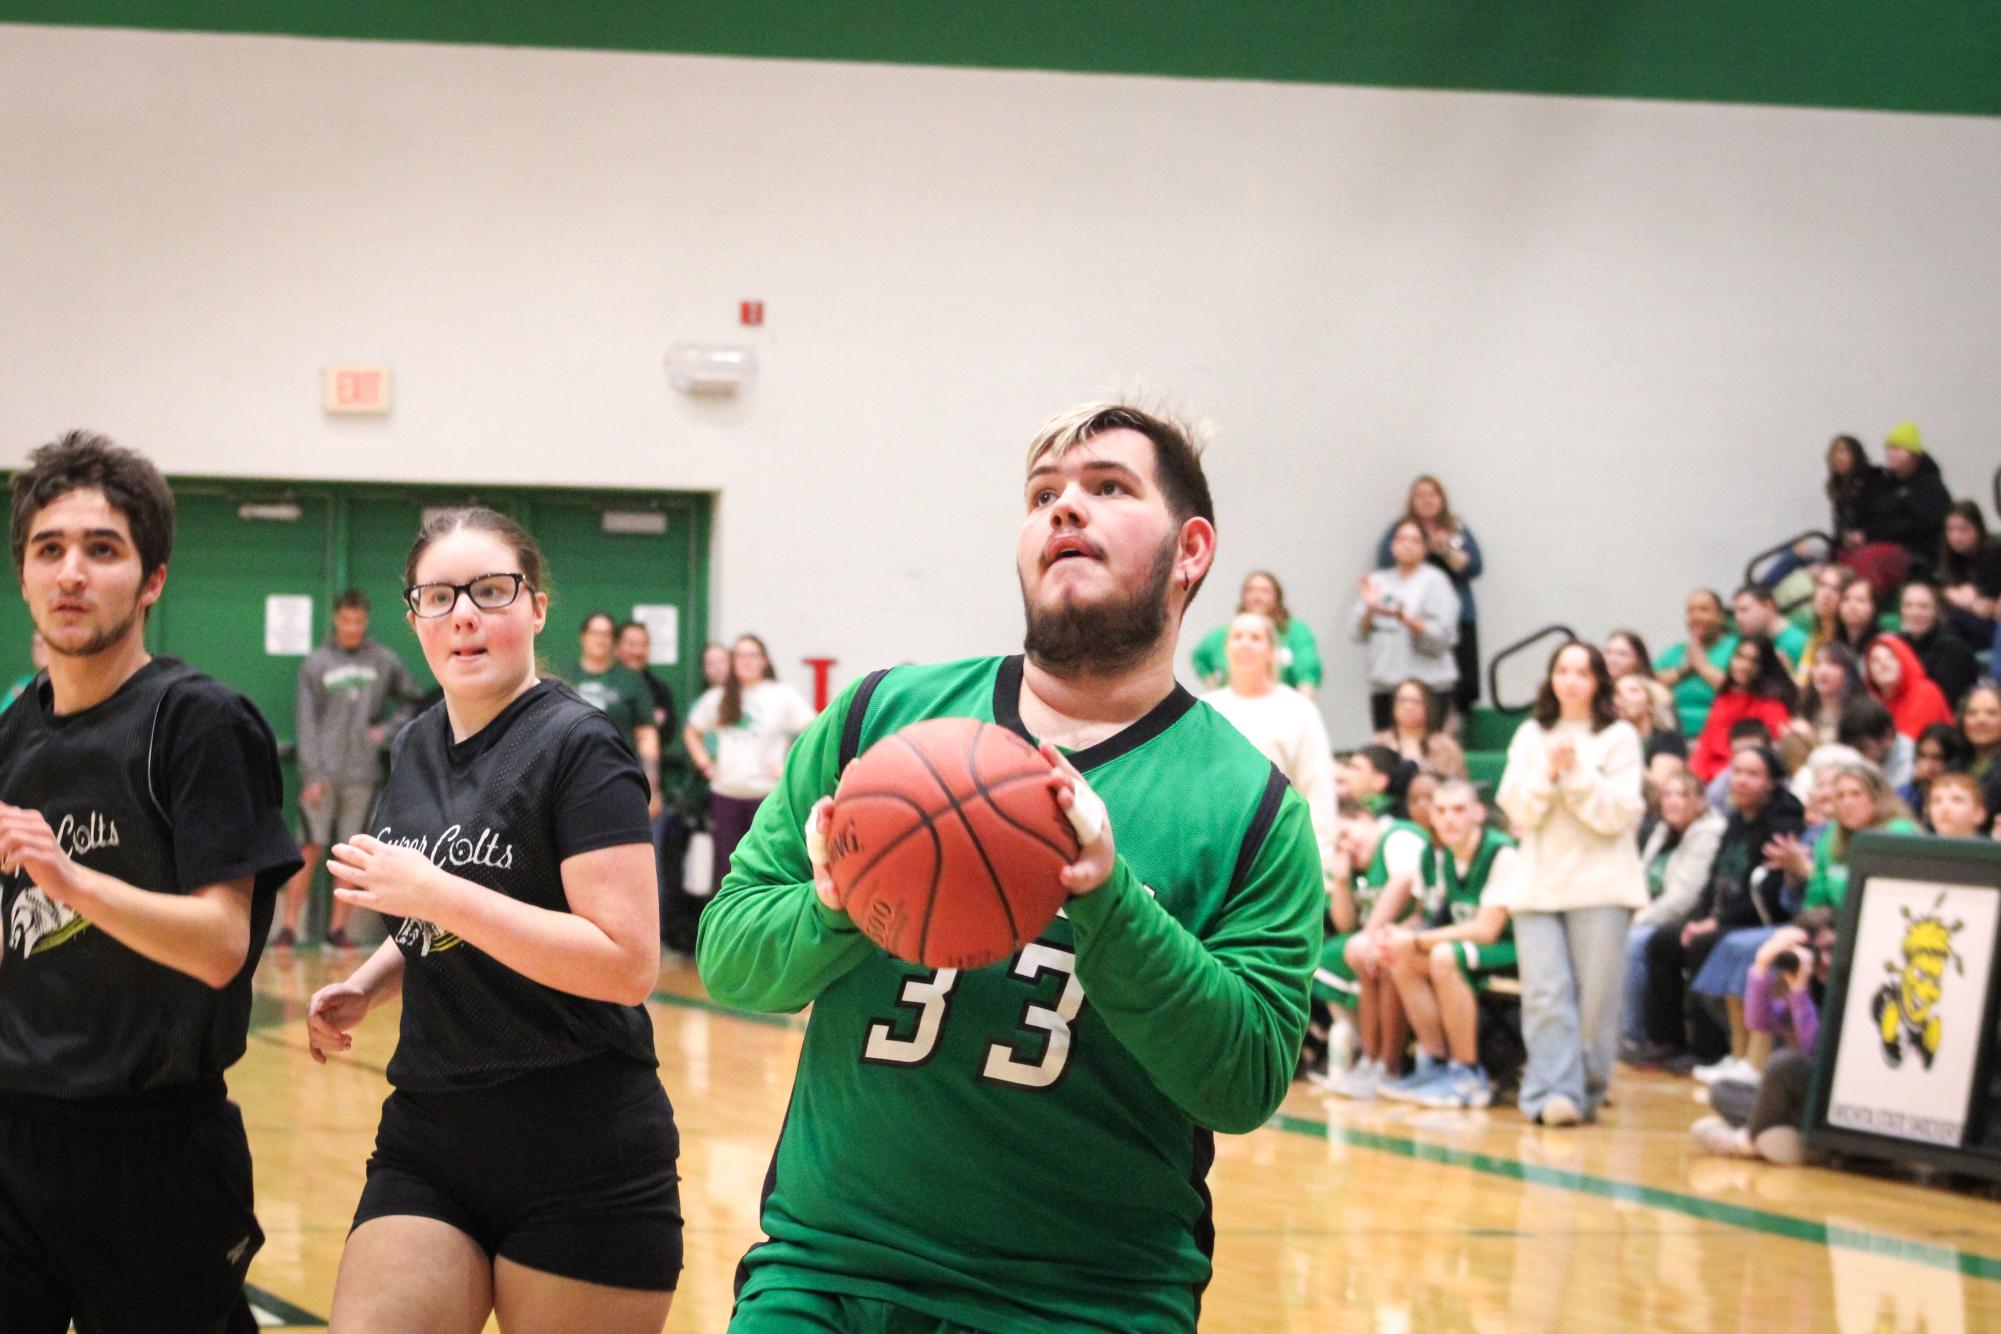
{"x":1876,"y":54}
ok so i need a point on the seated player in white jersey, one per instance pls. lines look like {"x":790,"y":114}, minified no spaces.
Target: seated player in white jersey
{"x":1462,"y":941}
{"x":1025,"y":1146}
{"x":142,"y":846}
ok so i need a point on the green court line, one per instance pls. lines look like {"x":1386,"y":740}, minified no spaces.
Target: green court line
{"x":708,"y":1006}
{"x":1931,"y":1254}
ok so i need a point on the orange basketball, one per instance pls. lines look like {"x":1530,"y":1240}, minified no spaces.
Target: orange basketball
{"x":946,"y":843}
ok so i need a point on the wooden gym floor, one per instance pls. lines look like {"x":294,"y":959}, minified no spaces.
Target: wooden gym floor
{"x":1336,"y":1217}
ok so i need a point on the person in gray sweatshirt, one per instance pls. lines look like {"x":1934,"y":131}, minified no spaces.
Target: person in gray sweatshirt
{"x":354,"y":694}
{"x":1408,"y":615}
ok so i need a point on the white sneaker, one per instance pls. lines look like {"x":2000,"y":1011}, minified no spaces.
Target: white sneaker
{"x":1719,"y":1137}
{"x":1462,"y":1086}
{"x":1559,"y":1111}
{"x":1412,"y":1087}
{"x":1360,"y":1083}
{"x":1730,"y":1067}
{"x":1781,"y":1145}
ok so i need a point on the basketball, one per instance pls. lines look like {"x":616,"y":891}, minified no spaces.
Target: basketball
{"x":947,"y":843}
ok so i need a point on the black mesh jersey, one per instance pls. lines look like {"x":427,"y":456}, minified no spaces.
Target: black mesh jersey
{"x":547,"y":779}
{"x":170,"y":785}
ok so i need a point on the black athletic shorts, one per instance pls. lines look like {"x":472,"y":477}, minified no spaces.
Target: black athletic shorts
{"x":132,"y":1218}
{"x":569,"y":1171}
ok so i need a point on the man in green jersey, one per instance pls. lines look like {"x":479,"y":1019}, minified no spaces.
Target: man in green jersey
{"x":1463,"y":940}
{"x":1024,"y":1147}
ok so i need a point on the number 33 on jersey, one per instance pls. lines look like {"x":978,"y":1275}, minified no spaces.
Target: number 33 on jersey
{"x":926,"y":999}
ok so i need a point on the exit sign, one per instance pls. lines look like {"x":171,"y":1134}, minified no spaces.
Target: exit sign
{"x":356,"y":390}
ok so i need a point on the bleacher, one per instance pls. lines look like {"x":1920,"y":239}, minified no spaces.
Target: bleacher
{"x":1488,"y":731}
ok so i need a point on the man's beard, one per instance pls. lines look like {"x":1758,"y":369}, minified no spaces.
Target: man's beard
{"x":1101,"y":640}
{"x":99,"y":640}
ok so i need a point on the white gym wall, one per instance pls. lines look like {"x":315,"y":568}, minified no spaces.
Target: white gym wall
{"x":1620,"y":331}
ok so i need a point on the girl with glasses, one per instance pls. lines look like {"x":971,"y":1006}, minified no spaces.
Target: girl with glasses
{"x":525,"y":1161}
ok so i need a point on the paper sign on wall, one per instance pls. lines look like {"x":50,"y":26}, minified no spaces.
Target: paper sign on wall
{"x":288,"y":625}
{"x":1912,"y":1028}
{"x":663,"y":629}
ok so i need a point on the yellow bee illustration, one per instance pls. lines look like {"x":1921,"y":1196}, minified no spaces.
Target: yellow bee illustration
{"x":1905,"y":1007}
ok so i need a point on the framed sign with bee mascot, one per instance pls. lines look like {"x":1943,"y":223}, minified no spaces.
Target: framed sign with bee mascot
{"x":1906,"y":1065}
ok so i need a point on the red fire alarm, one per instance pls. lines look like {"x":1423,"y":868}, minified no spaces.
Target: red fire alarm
{"x":750,"y":312}
{"x":355,"y":390}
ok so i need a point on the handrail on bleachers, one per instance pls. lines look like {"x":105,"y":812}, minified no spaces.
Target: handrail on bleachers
{"x":1751,"y":565}
{"x":1494,"y":663}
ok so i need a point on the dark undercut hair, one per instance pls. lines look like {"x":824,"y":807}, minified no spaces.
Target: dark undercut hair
{"x":130,"y":484}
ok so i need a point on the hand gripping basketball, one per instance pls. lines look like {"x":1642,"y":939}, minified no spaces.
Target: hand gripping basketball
{"x":1086,"y":811}
{"x":953,"y":842}
{"x":816,"y":852}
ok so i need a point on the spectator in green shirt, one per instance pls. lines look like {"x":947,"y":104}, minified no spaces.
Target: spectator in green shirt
{"x":1694,"y":669}
{"x":619,"y":691}
{"x":1298,"y":653}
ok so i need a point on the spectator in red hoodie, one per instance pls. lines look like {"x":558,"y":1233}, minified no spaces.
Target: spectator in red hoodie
{"x":1758,"y":685}
{"x":1899,"y":680}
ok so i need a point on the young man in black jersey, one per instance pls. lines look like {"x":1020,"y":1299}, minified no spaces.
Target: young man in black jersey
{"x":141,"y":845}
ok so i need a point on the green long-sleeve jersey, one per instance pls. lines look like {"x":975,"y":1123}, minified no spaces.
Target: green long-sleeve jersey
{"x":1025,"y":1146}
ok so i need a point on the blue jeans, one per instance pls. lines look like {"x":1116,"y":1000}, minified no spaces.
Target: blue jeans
{"x":1633,"y":999}
{"x":1572,"y":964}
{"x":1727,"y":970}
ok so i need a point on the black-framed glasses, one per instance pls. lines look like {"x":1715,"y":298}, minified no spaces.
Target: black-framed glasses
{"x":489,"y":592}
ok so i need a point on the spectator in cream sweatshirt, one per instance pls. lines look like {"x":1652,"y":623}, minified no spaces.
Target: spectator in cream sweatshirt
{"x":1572,"y":790}
{"x":1278,"y":720}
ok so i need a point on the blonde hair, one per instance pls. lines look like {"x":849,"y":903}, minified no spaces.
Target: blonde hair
{"x":1660,"y":702}
{"x":1271,"y":636}
{"x":1889,"y":806}
{"x":1178,"y":444}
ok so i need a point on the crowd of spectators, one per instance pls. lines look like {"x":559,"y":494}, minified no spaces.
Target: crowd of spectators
{"x":1656,"y":877}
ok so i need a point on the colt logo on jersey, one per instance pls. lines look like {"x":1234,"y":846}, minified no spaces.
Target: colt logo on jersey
{"x":36,"y":923}
{"x":425,"y":938}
